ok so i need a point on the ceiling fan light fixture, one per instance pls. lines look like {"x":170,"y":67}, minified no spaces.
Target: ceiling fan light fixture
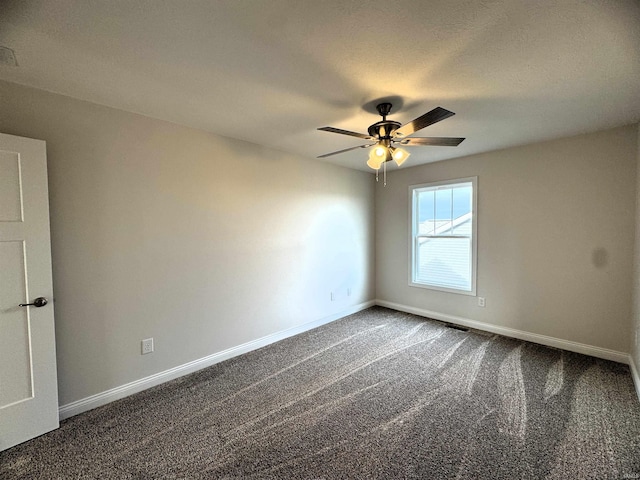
{"x":375,"y":160}
{"x":400,"y":155}
{"x":373,"y":164}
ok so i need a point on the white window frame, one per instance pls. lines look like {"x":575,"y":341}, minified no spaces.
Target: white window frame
{"x":413,"y":234}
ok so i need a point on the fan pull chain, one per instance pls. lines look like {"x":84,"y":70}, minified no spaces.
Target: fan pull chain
{"x":377,"y":170}
{"x":385,"y":174}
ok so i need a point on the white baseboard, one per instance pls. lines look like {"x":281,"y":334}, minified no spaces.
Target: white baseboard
{"x":621,"y":357}
{"x":635,"y":374}
{"x":88,"y":403}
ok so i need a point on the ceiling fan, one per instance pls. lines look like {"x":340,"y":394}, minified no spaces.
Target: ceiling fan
{"x":388,"y":136}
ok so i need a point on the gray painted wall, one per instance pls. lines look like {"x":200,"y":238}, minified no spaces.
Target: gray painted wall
{"x":199,"y":241}
{"x":555,"y":238}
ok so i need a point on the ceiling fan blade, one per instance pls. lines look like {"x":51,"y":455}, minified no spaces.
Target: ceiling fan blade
{"x":346,"y":132}
{"x":435,"y":141}
{"x":429,"y":118}
{"x":345,"y":150}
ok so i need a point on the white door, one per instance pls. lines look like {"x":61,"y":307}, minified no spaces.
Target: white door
{"x":28,"y":385}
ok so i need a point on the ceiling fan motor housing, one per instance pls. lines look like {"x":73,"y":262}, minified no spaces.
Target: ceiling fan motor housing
{"x":384,"y":129}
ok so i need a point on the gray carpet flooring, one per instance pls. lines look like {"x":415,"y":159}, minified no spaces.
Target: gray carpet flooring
{"x":379,"y":394}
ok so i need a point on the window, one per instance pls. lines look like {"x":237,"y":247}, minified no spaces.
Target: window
{"x":443,"y":236}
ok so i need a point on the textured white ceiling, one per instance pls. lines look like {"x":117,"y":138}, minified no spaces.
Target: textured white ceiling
{"x":272,"y":71}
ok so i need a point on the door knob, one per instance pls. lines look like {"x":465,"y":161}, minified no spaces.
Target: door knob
{"x":38,"y":302}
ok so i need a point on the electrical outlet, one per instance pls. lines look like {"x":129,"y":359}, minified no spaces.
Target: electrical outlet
{"x":481,"y":301}
{"x":147,"y":346}
{"x":333,"y":296}
{"x":348,"y":292}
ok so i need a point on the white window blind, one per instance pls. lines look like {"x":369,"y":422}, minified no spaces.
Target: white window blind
{"x":443,"y":235}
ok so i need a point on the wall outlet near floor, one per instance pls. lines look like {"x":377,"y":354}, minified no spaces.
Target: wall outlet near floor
{"x":147,"y":346}
{"x":481,"y":301}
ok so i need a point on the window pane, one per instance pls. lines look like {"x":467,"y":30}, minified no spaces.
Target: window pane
{"x":443,"y":204}
{"x":462,"y":210}
{"x":461,"y":201}
{"x":444,"y":262}
{"x":426,"y":202}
